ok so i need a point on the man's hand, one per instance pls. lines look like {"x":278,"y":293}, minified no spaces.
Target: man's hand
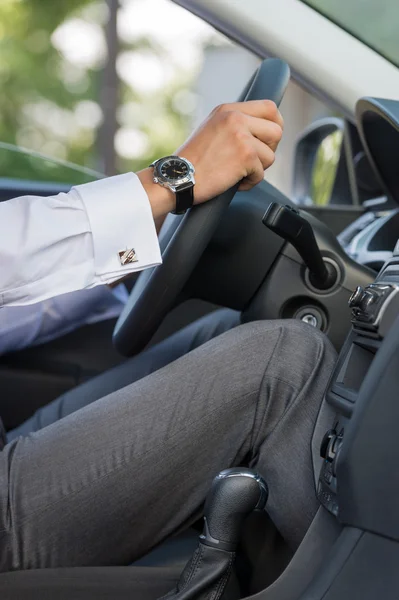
{"x":235,"y":144}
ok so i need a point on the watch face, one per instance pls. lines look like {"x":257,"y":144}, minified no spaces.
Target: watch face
{"x":173,"y":172}
{"x":174,"y":169}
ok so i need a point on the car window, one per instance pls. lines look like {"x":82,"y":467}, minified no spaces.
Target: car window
{"x":98,"y":83}
{"x":374,"y":22}
{"x":21,"y":164}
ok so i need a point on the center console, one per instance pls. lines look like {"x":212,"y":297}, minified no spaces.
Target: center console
{"x":374,"y":309}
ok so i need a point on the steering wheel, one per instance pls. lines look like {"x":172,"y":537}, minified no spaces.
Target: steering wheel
{"x":184,"y":239}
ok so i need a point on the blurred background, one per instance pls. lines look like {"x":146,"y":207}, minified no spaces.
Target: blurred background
{"x":113,"y":84}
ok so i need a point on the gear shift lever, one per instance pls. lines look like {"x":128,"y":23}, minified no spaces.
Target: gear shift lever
{"x":288,"y":224}
{"x":234,"y":494}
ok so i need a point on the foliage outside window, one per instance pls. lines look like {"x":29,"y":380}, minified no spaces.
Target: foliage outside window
{"x":325,"y":168}
{"x":53,"y":62}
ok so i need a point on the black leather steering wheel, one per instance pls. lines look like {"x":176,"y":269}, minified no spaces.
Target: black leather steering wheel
{"x":184,"y":239}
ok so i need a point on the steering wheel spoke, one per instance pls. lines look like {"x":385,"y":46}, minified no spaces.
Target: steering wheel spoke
{"x":184,"y":239}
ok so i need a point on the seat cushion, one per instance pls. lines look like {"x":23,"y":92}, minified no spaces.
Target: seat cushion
{"x":89,"y":583}
{"x":174,"y":552}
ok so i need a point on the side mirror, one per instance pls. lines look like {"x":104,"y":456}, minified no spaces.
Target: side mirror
{"x":318,"y":159}
{"x":331,"y":167}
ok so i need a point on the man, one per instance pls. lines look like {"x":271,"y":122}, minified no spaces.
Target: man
{"x":25,"y":326}
{"x":130,"y":464}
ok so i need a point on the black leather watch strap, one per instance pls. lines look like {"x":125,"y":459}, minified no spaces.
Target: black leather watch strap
{"x":184,"y":200}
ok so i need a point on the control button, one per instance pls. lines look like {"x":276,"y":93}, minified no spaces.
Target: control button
{"x":292,"y":209}
{"x":356,"y":297}
{"x":368,"y":298}
{"x":367,"y":304}
{"x":327,"y":499}
{"x":312,"y":315}
{"x":330,"y":453}
{"x":334,"y":446}
{"x":334,"y":464}
{"x":310,"y":319}
{"x":331,"y":433}
{"x":328,"y":477}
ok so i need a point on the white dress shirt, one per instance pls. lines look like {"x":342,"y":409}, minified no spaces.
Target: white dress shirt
{"x":76,"y":240}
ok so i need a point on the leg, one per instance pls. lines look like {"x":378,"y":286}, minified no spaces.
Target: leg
{"x":107,"y":483}
{"x":131,"y":370}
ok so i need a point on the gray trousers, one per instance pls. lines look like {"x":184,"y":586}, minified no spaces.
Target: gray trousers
{"x":108,"y":481}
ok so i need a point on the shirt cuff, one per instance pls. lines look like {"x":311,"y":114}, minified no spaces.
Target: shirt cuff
{"x":123,"y":229}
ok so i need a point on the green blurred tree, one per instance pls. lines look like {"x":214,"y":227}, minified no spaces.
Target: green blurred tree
{"x":325,"y":168}
{"x":30,"y":72}
{"x":45,"y":97}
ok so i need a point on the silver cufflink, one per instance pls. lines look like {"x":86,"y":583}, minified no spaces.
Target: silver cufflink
{"x":127,"y":257}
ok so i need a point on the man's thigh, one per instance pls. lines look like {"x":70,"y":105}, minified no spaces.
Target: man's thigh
{"x":180,"y":343}
{"x":106,"y":484}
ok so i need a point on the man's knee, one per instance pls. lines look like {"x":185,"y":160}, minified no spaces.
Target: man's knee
{"x":289,"y":345}
{"x":288,"y":329}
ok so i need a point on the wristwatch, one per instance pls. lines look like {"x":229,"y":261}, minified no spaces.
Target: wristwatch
{"x":177,"y":174}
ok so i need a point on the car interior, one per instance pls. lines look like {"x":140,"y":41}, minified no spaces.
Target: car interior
{"x":269,"y":257}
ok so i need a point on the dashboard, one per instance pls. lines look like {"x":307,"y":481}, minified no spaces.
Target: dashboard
{"x":370,"y":240}
{"x":375,"y":309}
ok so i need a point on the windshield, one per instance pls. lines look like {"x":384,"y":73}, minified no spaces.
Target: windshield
{"x":374,"y":22}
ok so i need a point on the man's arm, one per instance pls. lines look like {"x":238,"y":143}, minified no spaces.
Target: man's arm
{"x":51,"y":246}
{"x":99,"y":232}
{"x":26,"y":326}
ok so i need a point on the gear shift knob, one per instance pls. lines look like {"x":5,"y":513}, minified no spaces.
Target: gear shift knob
{"x":234,"y":494}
